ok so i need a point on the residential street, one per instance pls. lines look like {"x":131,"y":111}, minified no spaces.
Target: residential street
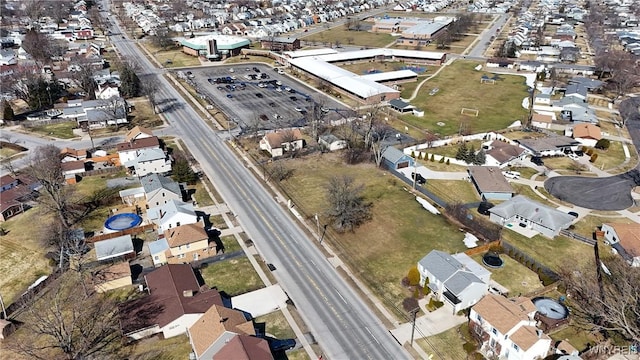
{"x":342,"y":324}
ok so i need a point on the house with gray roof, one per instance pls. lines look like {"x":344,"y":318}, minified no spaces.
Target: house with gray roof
{"x":520,"y":210}
{"x":114,"y":247}
{"x":331,"y":142}
{"x":454,"y":279}
{"x":549,"y":145}
{"x":395,"y":159}
{"x":172,"y":214}
{"x":577,"y":91}
{"x":159,"y":190}
{"x":149,"y":161}
{"x":490,"y":183}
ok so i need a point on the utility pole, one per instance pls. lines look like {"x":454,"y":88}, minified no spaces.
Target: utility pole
{"x":323,"y":232}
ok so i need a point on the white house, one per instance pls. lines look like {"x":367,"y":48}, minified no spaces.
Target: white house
{"x":522,"y":211}
{"x":174,"y":303}
{"x":508,"y":329}
{"x":277,"y":143}
{"x":107,"y":91}
{"x":128,"y":150}
{"x":158,"y":189}
{"x":541,"y":121}
{"x":456,"y":279}
{"x":173,"y":213}
{"x":332,"y":142}
{"x":625,"y":238}
{"x":149,"y":161}
{"x":502,"y":154}
{"x":8,"y":57}
{"x":586,"y":134}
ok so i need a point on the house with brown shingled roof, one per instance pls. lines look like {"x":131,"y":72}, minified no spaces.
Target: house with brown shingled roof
{"x":216,"y":328}
{"x":244,"y":347}
{"x":188,"y":243}
{"x":174,"y":303}
{"x":507,"y":328}
{"x":587,"y":134}
{"x":503,"y":154}
{"x":277,"y":143}
{"x":625,"y":238}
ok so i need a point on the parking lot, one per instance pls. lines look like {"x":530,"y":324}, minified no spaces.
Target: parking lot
{"x":257,"y":97}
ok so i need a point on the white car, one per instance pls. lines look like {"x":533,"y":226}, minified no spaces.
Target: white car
{"x":511,"y":174}
{"x":573,"y":156}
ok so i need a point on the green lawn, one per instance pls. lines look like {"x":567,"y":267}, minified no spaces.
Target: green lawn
{"x":172,"y":57}
{"x":399,"y":234}
{"x":365,"y":67}
{"x":346,"y":37}
{"x":201,"y":195}
{"x":513,"y":275}
{"x":499,"y":105}
{"x":276,"y":325}
{"x":230,"y":244}
{"x":448,"y":344}
{"x":612,"y":157}
{"x":61,"y":130}
{"x":453,"y":190}
{"x":555,"y":253}
{"x":577,"y":337}
{"x":233,"y":276}
{"x":452,"y":149}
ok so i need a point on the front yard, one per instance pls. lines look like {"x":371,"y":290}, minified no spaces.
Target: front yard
{"x":233,"y":276}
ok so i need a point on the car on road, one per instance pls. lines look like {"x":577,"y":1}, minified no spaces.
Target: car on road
{"x":247,"y":69}
{"x":291,"y":90}
{"x":264,"y":117}
{"x":278,"y":82}
{"x":324,"y":110}
{"x":259,"y":95}
{"x":537,"y":160}
{"x":276,"y":116}
{"x":231,"y":70}
{"x":418,"y":178}
{"x":511,"y":174}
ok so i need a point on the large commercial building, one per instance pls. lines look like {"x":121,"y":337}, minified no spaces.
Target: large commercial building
{"x":214,"y":47}
{"x":413,"y":31}
{"x":321,"y":64}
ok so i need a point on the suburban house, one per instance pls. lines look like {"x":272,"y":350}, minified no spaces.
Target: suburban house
{"x":587,"y":134}
{"x":149,"y":161}
{"x":625,"y":238}
{"x":184,"y":243}
{"x":70,"y":154}
{"x":507,"y":328}
{"x":113,"y":277}
{"x":175,"y":302}
{"x":520,"y":210}
{"x":276,"y":143}
{"x":331,"y":142}
{"x":541,"y":121}
{"x":456,"y":279}
{"x":244,"y":347}
{"x":490,"y":183}
{"x":173,"y":213}
{"x":107,"y":91}
{"x":159,"y":189}
{"x":502,"y":154}
{"x":71,"y":169}
{"x":549,"y":145}
{"x":138,"y":132}
{"x":542,"y":99}
{"x":395,"y":159}
{"x":15,"y":192}
{"x":576,"y":90}
{"x":218,"y":326}
{"x":120,"y":246}
{"x":127,"y":150}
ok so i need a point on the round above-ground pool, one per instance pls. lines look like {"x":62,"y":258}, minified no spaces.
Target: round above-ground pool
{"x":492,"y":260}
{"x":550,"y":308}
{"x":119,"y":222}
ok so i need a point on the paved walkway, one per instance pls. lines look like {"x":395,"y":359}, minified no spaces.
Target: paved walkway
{"x":429,"y":324}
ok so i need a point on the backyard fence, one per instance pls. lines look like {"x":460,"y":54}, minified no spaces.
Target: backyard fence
{"x":483,"y":248}
{"x":547,"y":275}
{"x":29,"y":296}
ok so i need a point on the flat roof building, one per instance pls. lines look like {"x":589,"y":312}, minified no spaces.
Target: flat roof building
{"x":214,"y":47}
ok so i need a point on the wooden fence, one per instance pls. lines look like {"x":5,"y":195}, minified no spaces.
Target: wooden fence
{"x":132,"y":231}
{"x":483,"y":248}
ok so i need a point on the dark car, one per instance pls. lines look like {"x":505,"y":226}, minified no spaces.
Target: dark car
{"x":573,"y":213}
{"x":264,"y":117}
{"x":293,"y":98}
{"x":259,"y":95}
{"x":282,"y":345}
{"x":272,"y":104}
{"x":229,"y":96}
{"x":579,"y":152}
{"x":418,"y":178}
{"x":537,"y":160}
{"x":256,"y":69}
{"x":211,"y":81}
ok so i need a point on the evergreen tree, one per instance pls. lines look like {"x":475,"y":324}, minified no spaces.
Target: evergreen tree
{"x":480,"y":158}
{"x":182,"y":172}
{"x":462,"y":152}
{"x":7,"y":111}
{"x":129,"y":82}
{"x":470,"y":157}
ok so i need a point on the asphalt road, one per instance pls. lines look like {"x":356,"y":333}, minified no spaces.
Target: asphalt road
{"x":339,"y":320}
{"x":485,"y":37}
{"x":248,"y":104}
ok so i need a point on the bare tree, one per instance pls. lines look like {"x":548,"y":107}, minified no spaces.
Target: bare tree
{"x":150,"y":86}
{"x":614,"y":309}
{"x":347,"y":208}
{"x":290,"y":142}
{"x":65,"y":323}
{"x":45,"y":166}
{"x":83,"y":75}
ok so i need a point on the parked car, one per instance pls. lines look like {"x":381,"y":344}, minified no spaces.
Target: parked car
{"x":259,"y":95}
{"x":418,"y":178}
{"x":511,"y":174}
{"x":264,"y":117}
{"x":299,"y":109}
{"x":537,"y":160}
{"x":293,"y":98}
{"x":573,"y":213}
{"x":256,"y":69}
{"x":579,"y":152}
{"x":229,"y":96}
{"x":282,"y":345}
{"x":573,"y":156}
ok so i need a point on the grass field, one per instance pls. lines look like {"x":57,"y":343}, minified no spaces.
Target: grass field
{"x":612,"y":157}
{"x":175,"y":56}
{"x":499,"y":105}
{"x":233,"y":276}
{"x":175,"y":348}
{"x":363,"y":68}
{"x":143,"y":114}
{"x":555,"y":253}
{"x":448,"y":344}
{"x":453,"y":190}
{"x":346,"y":37}
{"x":61,"y":131}
{"x":513,"y":275}
{"x":276,"y":325}
{"x":399,"y":234}
{"x":456,"y":47}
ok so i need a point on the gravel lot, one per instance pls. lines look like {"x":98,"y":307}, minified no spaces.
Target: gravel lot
{"x":263,"y":108}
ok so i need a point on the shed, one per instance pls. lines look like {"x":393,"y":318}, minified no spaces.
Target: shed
{"x":401,"y":106}
{"x":395,"y":159}
{"x":115,"y":247}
